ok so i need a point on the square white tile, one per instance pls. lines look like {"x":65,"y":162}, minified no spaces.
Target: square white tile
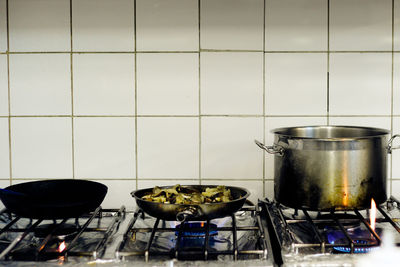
{"x":296,"y":84}
{"x":396,"y":25}
{"x":360,"y":25}
{"x":296,"y":25}
{"x":40,"y":84}
{"x":118,"y":194}
{"x":396,"y":188}
{"x":168,"y":148}
{"x":360,"y":84}
{"x":103,"y":25}
{"x":104,"y":147}
{"x":232,"y":24}
{"x":396,"y":84}
{"x":4,"y":151}
{"x":231,"y":83}
{"x":378,"y":122}
{"x":3,"y":86}
{"x":168,"y":84}
{"x":170,"y":182}
{"x":167,"y":25}
{"x":255,"y":187}
{"x":104,"y":84}
{"x":39,"y":25}
{"x":41,"y":148}
{"x":228,"y":149}
{"x":3,"y":26}
{"x":278,"y":122}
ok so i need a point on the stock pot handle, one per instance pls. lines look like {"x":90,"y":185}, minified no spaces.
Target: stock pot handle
{"x":390,"y":144}
{"x":276,"y":150}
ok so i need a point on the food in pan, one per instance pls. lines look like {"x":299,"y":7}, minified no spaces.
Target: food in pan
{"x":184,"y":195}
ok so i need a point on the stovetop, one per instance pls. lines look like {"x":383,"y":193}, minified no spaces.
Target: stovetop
{"x":266,"y":234}
{"x":124,"y":236}
{"x":329,"y":238}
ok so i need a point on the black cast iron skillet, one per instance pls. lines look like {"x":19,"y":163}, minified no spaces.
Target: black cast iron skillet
{"x":53,"y":199}
{"x":182,"y":212}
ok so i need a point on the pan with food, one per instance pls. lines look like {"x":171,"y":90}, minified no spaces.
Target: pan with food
{"x":190,"y":202}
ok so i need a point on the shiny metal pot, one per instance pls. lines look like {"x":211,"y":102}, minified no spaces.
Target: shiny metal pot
{"x":330,"y":167}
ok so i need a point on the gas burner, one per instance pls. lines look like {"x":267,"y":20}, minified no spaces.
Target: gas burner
{"x":362,"y":239}
{"x":60,"y":232}
{"x":196,"y":229}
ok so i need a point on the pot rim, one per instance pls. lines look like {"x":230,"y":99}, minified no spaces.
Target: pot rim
{"x":375,"y":132}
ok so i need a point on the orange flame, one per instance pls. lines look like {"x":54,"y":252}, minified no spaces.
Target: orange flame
{"x":62,"y":247}
{"x":372,"y":216}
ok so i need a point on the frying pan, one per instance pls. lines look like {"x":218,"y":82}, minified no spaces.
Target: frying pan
{"x":182,"y":212}
{"x":53,"y":199}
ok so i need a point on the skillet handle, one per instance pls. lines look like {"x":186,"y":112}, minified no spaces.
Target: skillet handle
{"x":187,"y":213}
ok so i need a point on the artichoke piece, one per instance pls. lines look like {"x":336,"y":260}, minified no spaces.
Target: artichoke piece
{"x":182,"y":195}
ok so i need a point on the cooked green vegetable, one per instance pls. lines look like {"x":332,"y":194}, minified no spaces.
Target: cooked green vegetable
{"x":183,"y":195}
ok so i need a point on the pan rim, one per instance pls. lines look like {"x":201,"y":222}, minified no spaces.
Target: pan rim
{"x":247,"y":194}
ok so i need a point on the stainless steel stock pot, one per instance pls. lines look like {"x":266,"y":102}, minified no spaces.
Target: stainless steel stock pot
{"x":330,"y":167}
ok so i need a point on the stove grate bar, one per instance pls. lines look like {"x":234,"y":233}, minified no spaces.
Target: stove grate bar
{"x":17,"y":240}
{"x":71,"y":244}
{"x":315,"y":230}
{"x":235,"y":241}
{"x":341,"y":227}
{"x":395,"y":226}
{"x":151,"y":240}
{"x":368,"y":226}
{"x":101,"y":246}
{"x":207,"y":240}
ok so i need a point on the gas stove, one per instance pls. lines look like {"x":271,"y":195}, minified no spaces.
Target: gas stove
{"x":124,"y":237}
{"x":266,"y":234}
{"x":329,"y":238}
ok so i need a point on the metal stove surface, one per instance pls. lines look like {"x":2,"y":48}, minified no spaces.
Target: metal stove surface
{"x":336,"y":238}
{"x":119,"y":237}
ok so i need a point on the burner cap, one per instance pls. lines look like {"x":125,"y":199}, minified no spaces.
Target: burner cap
{"x":195,"y":229}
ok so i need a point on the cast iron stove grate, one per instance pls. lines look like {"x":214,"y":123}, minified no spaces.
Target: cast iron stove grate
{"x":239,"y":236}
{"x":25,"y":239}
{"x":294,"y":231}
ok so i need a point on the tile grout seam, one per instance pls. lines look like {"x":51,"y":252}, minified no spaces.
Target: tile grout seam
{"x":199,"y":85}
{"x":328,"y":65}
{"x":391,"y":99}
{"x":72,"y":92}
{"x":213,"y":51}
{"x":263,"y":100}
{"x":9,"y":93}
{"x":135,"y":98}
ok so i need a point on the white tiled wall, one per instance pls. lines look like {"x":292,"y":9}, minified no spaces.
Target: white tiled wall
{"x":137,"y":93}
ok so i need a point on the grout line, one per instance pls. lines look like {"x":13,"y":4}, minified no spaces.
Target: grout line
{"x":9,"y":93}
{"x":72,"y":92}
{"x":135,"y":100}
{"x":199,"y":95}
{"x":391,"y":99}
{"x":211,"y":115}
{"x":328,"y":63}
{"x":263,"y":100}
{"x":201,"y":50}
{"x":152,"y":179}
